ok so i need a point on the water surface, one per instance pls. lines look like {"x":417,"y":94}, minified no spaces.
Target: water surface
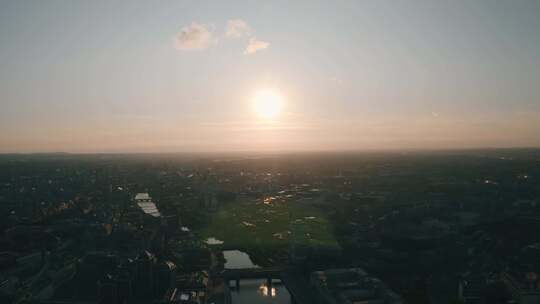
{"x":236,"y":259}
{"x":257,"y":292}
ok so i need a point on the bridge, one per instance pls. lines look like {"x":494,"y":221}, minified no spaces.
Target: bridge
{"x":252,"y":273}
{"x":297,"y":286}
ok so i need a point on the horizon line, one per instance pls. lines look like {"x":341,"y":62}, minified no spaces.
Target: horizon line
{"x":299,"y":151}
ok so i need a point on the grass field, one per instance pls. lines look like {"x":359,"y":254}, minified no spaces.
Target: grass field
{"x":269,"y":223}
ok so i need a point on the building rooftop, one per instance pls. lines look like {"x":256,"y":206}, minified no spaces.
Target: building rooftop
{"x":144,"y":201}
{"x":353,"y":285}
{"x":142,"y":196}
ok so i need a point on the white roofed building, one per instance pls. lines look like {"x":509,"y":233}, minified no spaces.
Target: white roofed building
{"x":142,"y":196}
{"x":144,"y":201}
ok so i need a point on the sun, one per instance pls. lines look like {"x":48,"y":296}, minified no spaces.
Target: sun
{"x":267,"y":103}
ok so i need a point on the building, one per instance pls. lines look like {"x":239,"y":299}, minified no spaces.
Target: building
{"x":352,"y":285}
{"x":525,"y":290}
{"x":145,"y":203}
{"x":471,"y":289}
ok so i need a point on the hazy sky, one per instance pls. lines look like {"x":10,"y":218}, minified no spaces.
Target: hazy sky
{"x":147,"y":76}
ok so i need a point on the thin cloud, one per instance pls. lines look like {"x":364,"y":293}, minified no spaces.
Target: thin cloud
{"x":255,"y":45}
{"x":238,"y":28}
{"x":196,"y":36}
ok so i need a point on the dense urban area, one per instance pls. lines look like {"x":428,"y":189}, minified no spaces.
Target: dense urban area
{"x":381,"y":227}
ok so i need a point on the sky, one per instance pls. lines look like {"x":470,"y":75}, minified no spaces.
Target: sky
{"x":181,"y":76}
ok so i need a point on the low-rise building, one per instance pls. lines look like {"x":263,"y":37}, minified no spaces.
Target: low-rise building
{"x":352,"y":285}
{"x":524,"y":289}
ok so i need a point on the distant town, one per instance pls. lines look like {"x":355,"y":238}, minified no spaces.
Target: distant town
{"x":308,"y":228}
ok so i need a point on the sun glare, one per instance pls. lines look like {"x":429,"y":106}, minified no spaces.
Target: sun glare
{"x":267,"y":103}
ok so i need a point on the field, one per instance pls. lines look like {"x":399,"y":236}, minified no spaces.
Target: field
{"x":269,"y":223}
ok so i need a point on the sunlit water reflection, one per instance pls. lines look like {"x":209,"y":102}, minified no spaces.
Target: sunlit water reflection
{"x":256,"y":291}
{"x":236,"y":259}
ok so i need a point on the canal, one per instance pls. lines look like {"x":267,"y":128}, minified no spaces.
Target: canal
{"x":253,"y":291}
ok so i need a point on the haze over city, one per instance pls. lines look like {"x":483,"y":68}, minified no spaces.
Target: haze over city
{"x":187,"y":76}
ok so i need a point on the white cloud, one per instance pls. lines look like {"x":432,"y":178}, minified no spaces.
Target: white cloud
{"x":255,"y":46}
{"x":238,"y":28}
{"x":198,"y":36}
{"x":194,"y":37}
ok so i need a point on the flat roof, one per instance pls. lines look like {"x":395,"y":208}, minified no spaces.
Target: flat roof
{"x":144,"y":201}
{"x":142,"y":196}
